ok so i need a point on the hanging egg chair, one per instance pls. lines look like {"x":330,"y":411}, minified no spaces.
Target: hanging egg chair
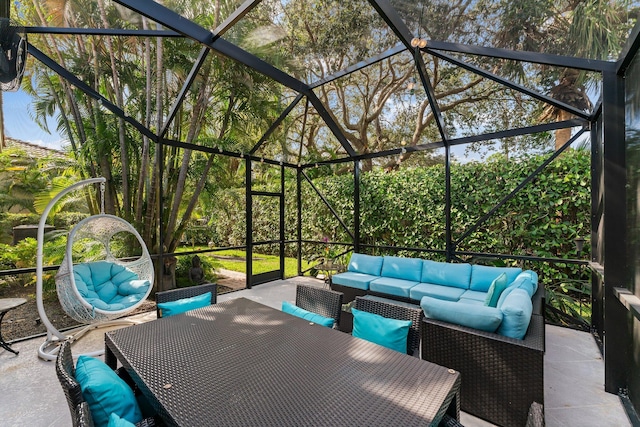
{"x":106,"y":273}
{"x":105,"y":286}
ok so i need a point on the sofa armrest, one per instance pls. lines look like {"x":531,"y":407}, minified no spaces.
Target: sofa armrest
{"x":501,"y":376}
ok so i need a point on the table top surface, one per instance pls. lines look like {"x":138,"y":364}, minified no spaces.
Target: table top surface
{"x":243,"y":363}
{"x":11,"y":303}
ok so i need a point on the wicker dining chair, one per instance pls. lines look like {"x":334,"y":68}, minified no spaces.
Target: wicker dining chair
{"x":324,"y":302}
{"x":79,"y":408}
{"x":396,"y":310}
{"x":191,"y":291}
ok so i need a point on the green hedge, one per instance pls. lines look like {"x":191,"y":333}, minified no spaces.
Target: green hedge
{"x":406,"y":208}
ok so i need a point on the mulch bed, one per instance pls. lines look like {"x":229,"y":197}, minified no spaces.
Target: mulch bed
{"x":24,"y":321}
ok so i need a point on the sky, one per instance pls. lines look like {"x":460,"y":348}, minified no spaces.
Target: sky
{"x":19,"y":124}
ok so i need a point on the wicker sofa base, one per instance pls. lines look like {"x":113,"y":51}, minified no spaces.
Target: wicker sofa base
{"x":500,"y":377}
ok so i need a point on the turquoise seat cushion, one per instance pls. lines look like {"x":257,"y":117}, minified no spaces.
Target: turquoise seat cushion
{"x":133,"y":287}
{"x":116,"y":421}
{"x":474,"y":295}
{"x":448,"y":293}
{"x":109,"y":286}
{"x":402,"y":268}
{"x":390,"y":286}
{"x":182,"y":305}
{"x":293,"y":309}
{"x":473,"y":301}
{"x":516,"y":314}
{"x":366,"y":264}
{"x":447,"y":274}
{"x":471,"y":315}
{"x":105,"y":392}
{"x":353,"y":280}
{"x":390,"y":333}
{"x":495,"y":290}
{"x":482,"y":276}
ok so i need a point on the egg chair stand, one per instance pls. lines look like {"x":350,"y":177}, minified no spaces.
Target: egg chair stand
{"x":98,"y":293}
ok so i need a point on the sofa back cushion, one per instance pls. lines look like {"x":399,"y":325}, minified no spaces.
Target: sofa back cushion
{"x":482,"y":276}
{"x":367,"y":264}
{"x":446,"y":274}
{"x":402,"y":268}
{"x":516,"y":314}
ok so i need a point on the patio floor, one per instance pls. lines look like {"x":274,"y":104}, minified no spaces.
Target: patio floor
{"x":573,"y":376}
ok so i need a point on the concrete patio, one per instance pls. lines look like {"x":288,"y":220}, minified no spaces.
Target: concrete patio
{"x":573,"y":376}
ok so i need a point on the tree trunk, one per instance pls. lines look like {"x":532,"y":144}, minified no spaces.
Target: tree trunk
{"x":563,"y":135}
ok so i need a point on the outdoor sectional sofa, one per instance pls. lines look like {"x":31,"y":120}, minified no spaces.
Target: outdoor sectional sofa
{"x":501,"y":366}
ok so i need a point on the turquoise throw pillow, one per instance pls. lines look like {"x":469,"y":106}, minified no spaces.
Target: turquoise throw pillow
{"x":293,"y":309}
{"x":116,"y":421}
{"x":498,"y":285}
{"x":185,"y":304}
{"x":390,"y":333}
{"x":105,"y":392}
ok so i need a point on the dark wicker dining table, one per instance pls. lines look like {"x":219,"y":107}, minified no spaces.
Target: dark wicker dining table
{"x":242,"y":363}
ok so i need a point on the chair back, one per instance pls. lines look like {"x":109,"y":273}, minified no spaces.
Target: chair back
{"x":83,"y":414}
{"x":324,"y":302}
{"x":191,"y":291}
{"x":395,"y":310}
{"x":66,"y":373}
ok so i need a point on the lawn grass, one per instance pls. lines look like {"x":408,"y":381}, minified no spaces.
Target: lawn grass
{"x":234,"y":260}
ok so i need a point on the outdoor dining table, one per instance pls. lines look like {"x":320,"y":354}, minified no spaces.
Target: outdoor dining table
{"x":243,"y":363}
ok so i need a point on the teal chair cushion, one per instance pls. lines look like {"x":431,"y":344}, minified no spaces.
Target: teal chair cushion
{"x":516,"y":314}
{"x":402,"y":268}
{"x":116,"y":421}
{"x":172,"y":308}
{"x":366,"y":264}
{"x":293,"y":309}
{"x":105,"y":392}
{"x":109,"y":286}
{"x":482,"y":276}
{"x":390,"y":333}
{"x":498,"y":285}
{"x":471,"y":315}
{"x":446,"y":274}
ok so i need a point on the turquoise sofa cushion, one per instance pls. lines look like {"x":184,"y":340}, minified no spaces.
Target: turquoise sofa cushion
{"x":366,"y":264}
{"x":498,"y":285}
{"x":391,"y":286}
{"x":182,"y":305}
{"x":402,"y":268}
{"x":516,"y":314}
{"x":293,"y":309}
{"x":474,"y":316}
{"x":116,"y":421}
{"x":522,"y":282}
{"x":353,"y":280}
{"x":530,"y":276}
{"x":390,"y":333}
{"x":474,"y":295}
{"x":105,"y":392}
{"x":482,"y":276}
{"x":446,"y":273}
{"x":470,"y":301}
{"x":448,"y":293}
